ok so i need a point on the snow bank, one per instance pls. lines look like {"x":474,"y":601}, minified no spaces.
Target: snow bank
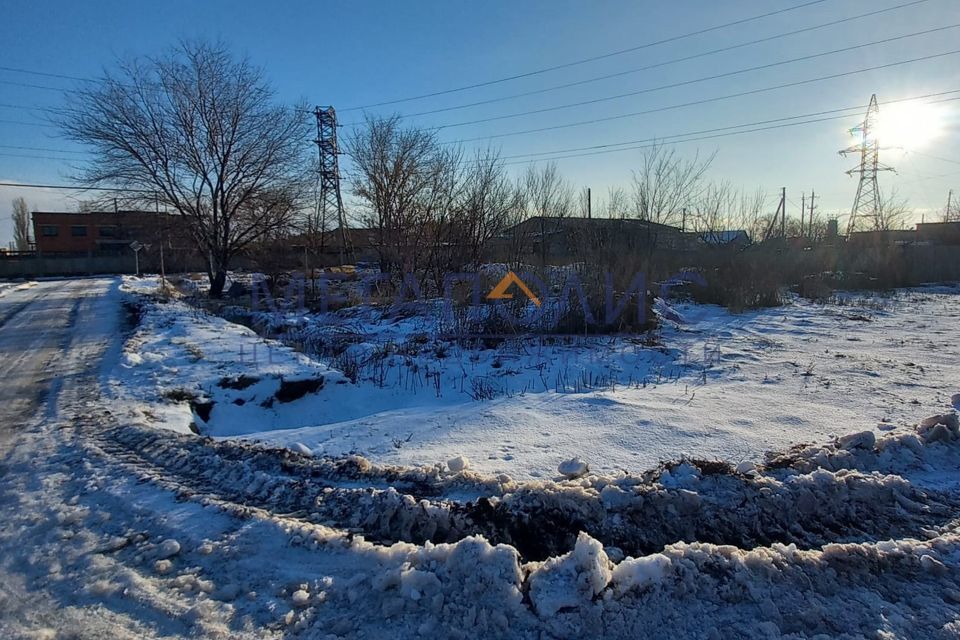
{"x":785,"y":551}
{"x":568,"y":580}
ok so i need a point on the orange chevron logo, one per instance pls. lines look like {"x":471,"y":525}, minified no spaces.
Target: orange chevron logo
{"x":499,"y":292}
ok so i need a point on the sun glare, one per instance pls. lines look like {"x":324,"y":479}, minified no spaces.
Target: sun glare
{"x":910,"y":125}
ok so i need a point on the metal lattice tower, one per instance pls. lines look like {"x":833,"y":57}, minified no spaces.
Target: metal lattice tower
{"x":866,"y":211}
{"x":330,"y":199}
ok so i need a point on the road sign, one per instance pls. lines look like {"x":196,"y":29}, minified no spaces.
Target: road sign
{"x":136,"y":245}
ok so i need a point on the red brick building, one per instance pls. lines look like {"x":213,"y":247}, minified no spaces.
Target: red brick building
{"x":105,"y":232}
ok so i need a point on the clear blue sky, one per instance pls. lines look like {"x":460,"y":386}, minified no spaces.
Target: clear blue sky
{"x":356,"y":53}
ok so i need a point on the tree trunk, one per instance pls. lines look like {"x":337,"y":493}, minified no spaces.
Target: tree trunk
{"x":217,"y":282}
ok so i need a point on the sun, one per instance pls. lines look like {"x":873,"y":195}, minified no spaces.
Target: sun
{"x":910,"y":126}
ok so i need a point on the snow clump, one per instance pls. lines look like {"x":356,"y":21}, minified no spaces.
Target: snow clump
{"x":300,"y":598}
{"x":568,"y":580}
{"x":573,"y":468}
{"x":458,"y":464}
{"x":168,"y":548}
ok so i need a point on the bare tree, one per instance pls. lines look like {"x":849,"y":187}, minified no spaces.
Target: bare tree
{"x":21,"y":224}
{"x":617,"y":204}
{"x":198,"y":131}
{"x":442,"y":232}
{"x":666,"y":183}
{"x":491,"y":203}
{"x":395,"y":174}
{"x":547,"y":193}
{"x":713,"y":209}
{"x":749,"y":215}
{"x":894,"y":212}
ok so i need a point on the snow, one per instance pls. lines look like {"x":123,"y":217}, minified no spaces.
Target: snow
{"x":718,"y":385}
{"x":300,"y":598}
{"x":571,"y":579}
{"x":458,"y":464}
{"x":121,"y":522}
{"x":639,"y":573}
{"x":573,"y":468}
{"x":168,"y":548}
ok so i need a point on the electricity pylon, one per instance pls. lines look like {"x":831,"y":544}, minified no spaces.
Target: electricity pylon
{"x":867,"y":206}
{"x":330,"y":198}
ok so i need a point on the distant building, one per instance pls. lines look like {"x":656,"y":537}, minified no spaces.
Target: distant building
{"x":882,"y":238}
{"x":939,"y":232}
{"x":106,"y":232}
{"x":556,"y":238}
{"x":729,"y":238}
{"x":326,"y":248}
{"x":362,"y":243}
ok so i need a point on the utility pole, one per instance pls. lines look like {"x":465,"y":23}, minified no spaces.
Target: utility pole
{"x":948,"y":216}
{"x":330,"y":197}
{"x":813,"y":196}
{"x":803,"y":209}
{"x":783,"y":210}
{"x":589,"y":204}
{"x":683,"y":221}
{"x":781,"y":215}
{"x":163,"y":267}
{"x":163,"y":270}
{"x":867,"y":203}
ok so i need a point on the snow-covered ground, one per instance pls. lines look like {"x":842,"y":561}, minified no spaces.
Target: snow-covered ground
{"x":117,"y":525}
{"x":718,"y":385}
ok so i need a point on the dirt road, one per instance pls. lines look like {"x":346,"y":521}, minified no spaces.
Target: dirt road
{"x":39,"y":325}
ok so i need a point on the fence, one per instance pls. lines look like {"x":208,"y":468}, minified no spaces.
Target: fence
{"x":27,"y":264}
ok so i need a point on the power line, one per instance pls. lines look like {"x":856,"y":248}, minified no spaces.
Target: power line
{"x":521,"y":75}
{"x":844,"y":112}
{"x":702,"y":101}
{"x":35,"y":86}
{"x":73,"y":188}
{"x":28,"y":124}
{"x":653,"y":142}
{"x":932,"y":157}
{"x":853,"y":108}
{"x":665,"y":63}
{"x":611,"y":54}
{"x":656,"y":141}
{"x":589,"y":80}
{"x":20,"y":155}
{"x":6,"y":105}
{"x":673,"y":85}
{"x":44,"y":74}
{"x":6,"y":146}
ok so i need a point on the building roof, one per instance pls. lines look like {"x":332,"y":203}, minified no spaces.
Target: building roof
{"x":562,"y":224}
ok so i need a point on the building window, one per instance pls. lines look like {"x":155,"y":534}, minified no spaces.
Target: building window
{"x":49,"y":230}
{"x":78,"y":230}
{"x":108,"y":232}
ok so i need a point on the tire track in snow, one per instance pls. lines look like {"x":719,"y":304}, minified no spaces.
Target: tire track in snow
{"x":636,"y":514}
